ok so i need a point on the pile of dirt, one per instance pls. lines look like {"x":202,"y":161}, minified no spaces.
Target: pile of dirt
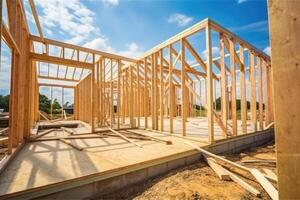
{"x":198,"y":181}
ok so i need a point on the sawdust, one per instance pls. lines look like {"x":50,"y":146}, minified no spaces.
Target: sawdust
{"x":198,"y":181}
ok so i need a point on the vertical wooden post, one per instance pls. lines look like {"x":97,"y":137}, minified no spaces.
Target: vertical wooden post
{"x":233,"y":87}
{"x":285,"y":47}
{"x":118,"y":93}
{"x":51,"y":105}
{"x":183,"y":88}
{"x":146,"y":93}
{"x":171,"y":91}
{"x":100,"y":116}
{"x":209,"y":92}
{"x":92,"y":96}
{"x":161,"y":94}
{"x":131,"y":96}
{"x":243,"y":93}
{"x":260,"y":93}
{"x":138,"y":93}
{"x":62,"y":102}
{"x":200,"y":98}
{"x":223,"y":84}
{"x":111,"y":94}
{"x":253,"y":93}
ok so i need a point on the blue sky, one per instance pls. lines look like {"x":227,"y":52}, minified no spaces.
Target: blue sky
{"x":132,"y":27}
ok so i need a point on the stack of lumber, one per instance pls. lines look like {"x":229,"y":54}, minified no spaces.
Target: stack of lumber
{"x":217,"y":164}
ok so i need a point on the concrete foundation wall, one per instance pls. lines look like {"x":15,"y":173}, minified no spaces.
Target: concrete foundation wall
{"x":98,"y":188}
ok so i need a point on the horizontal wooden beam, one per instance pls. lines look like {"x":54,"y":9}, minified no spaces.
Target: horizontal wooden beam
{"x":56,"y":85}
{"x":83,"y":49}
{"x":58,"y":78}
{"x":187,"y":32}
{"x":217,"y":27}
{"x":60,"y":61}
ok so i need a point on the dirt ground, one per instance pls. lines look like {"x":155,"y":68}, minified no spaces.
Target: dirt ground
{"x":198,"y":181}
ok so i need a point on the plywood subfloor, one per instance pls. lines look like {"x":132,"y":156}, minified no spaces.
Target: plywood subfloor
{"x":46,"y":162}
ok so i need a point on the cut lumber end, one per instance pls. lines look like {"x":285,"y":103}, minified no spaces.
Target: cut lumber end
{"x":218,"y":169}
{"x":71,"y":144}
{"x":268,"y":187}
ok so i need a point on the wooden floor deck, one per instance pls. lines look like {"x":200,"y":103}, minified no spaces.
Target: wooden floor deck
{"x":48,"y":162}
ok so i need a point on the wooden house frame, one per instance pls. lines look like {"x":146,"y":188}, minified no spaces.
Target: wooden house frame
{"x":124,"y":91}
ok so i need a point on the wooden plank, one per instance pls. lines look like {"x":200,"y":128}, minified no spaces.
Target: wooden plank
{"x":42,"y":134}
{"x":124,"y":137}
{"x":161,"y":94}
{"x":168,"y":142}
{"x":119,"y":94}
{"x":171,"y":91}
{"x":217,"y":157}
{"x":268,"y":187}
{"x":233,"y":88}
{"x":209,"y":92}
{"x":4,"y":131}
{"x":68,"y":130}
{"x":9,"y":38}
{"x":71,"y":144}
{"x":260,"y":161}
{"x":79,"y":48}
{"x":253,"y":92}
{"x":183,"y":89}
{"x":223,"y":85}
{"x":217,"y":27}
{"x":36,"y":18}
{"x":271,"y":174}
{"x":243,"y":93}
{"x":72,"y":137}
{"x":60,"y":61}
{"x":3,"y":140}
{"x":260,"y":94}
{"x":183,"y":34}
{"x":243,"y":184}
{"x":218,"y":169}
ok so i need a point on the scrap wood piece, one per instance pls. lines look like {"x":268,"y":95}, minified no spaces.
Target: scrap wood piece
{"x":218,"y":169}
{"x":223,"y":159}
{"x":271,"y":174}
{"x":168,"y":142}
{"x":4,"y":141}
{"x":131,"y":137}
{"x":4,"y":131}
{"x":260,"y":161}
{"x":271,"y":125}
{"x":42,"y":134}
{"x":242,"y":183}
{"x":44,"y":116}
{"x":71,"y":144}
{"x":69,"y":138}
{"x":68,"y":130}
{"x":268,"y":187}
{"x":124,"y":137}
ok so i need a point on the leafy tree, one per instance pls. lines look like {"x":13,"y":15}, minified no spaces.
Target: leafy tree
{"x":45,"y":105}
{"x":4,"y":103}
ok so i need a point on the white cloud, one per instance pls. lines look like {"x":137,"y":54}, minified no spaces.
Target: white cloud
{"x":70,"y":17}
{"x":134,"y":50}
{"x":241,"y":1}
{"x":267,"y":50}
{"x":180,"y":19}
{"x":99,"y":43}
{"x":215,"y":52}
{"x":111,"y":2}
{"x":260,"y":26}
